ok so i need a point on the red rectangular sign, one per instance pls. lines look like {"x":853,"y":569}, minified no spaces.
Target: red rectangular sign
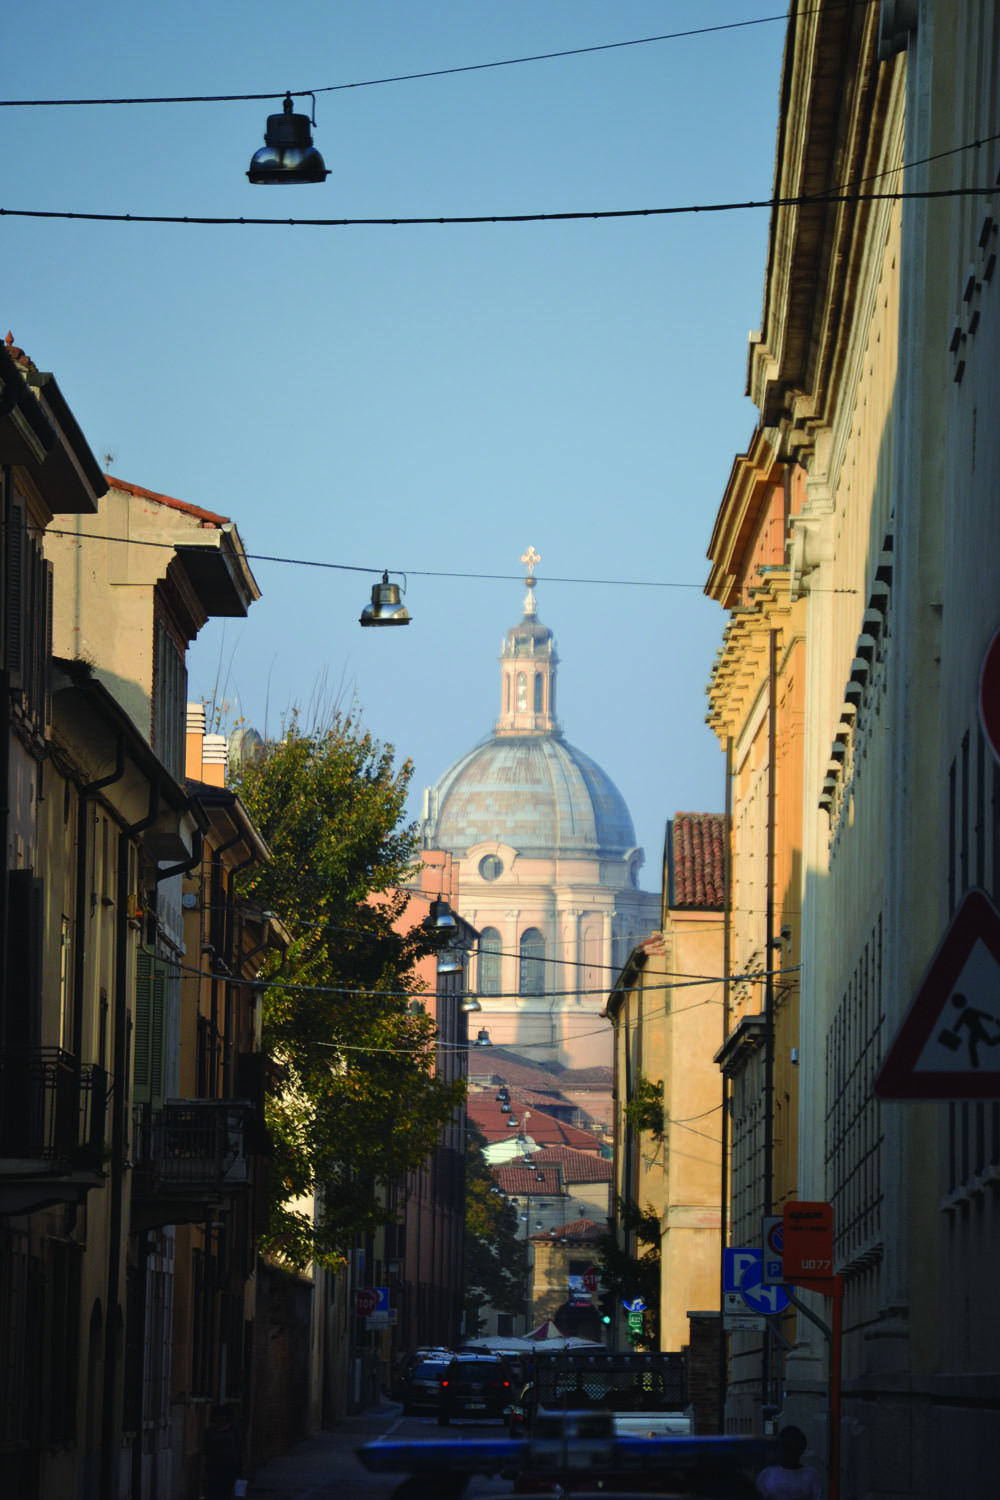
{"x":807,"y":1241}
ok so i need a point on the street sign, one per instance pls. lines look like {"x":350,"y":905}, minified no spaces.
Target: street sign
{"x":367,"y":1301}
{"x":635,"y":1320}
{"x":590,"y":1279}
{"x":742,"y":1271}
{"x":771,"y":1238}
{"x":948,"y":1046}
{"x":737,"y":1319}
{"x":382,"y":1305}
{"x":808,"y":1240}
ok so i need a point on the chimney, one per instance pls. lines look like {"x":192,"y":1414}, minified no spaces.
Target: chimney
{"x":195,"y":739}
{"x":214,"y":759}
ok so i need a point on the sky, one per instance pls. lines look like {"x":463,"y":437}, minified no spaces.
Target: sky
{"x":426,"y":399}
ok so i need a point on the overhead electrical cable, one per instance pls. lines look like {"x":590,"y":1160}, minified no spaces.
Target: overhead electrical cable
{"x":312,"y":562}
{"x":505,"y":62}
{"x":801,"y":200}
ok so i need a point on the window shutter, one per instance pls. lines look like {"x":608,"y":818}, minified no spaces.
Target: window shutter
{"x":47,"y":661}
{"x":24,"y":959}
{"x":149,"y":1071}
{"x":143,"y":1013}
{"x":14,"y":592}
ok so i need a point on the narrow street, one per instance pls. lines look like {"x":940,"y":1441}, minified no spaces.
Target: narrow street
{"x":326,"y":1467}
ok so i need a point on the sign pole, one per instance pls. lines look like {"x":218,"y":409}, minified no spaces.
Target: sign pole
{"x":830,"y":1286}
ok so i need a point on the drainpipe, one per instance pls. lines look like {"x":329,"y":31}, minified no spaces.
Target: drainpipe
{"x":727,"y":968}
{"x":187,"y":864}
{"x":772,"y":675}
{"x":230,"y":961}
{"x":769,"y":933}
{"x":217,"y":930}
{"x":84,"y":794}
{"x":119,"y":1135}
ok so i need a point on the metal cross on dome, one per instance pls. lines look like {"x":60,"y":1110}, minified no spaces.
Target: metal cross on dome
{"x":531,"y":559}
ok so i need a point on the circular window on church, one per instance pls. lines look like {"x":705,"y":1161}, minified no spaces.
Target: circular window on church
{"x":491,"y":867}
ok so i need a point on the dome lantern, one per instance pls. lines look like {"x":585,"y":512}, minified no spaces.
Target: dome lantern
{"x":528,"y":669}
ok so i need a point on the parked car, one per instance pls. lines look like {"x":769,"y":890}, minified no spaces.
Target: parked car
{"x":410,"y":1362}
{"x":421,"y":1384}
{"x":474,"y":1385}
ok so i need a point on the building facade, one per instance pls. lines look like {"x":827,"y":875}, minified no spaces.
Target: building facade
{"x":875,"y":362}
{"x":666,"y":1013}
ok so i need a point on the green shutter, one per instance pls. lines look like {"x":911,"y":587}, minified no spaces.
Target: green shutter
{"x":149,"y":1072}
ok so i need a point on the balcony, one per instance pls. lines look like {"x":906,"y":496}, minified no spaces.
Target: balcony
{"x":189,"y":1156}
{"x":52,"y":1115}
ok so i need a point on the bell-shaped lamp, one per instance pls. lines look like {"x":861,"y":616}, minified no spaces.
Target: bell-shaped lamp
{"x":288,"y":154}
{"x":484,"y":1039}
{"x":470,"y":1004}
{"x":442,"y":918}
{"x":387,"y":607}
{"x":450,"y":961}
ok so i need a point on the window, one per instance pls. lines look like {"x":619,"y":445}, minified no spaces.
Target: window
{"x":149,"y":1084}
{"x":169,"y":703}
{"x":27,"y":614}
{"x":490,"y":961}
{"x":539,"y":691}
{"x":522,"y":693}
{"x":491,"y":867}
{"x":532,"y":975}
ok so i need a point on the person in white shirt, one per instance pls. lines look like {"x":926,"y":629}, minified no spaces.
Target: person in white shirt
{"x":790,"y":1479}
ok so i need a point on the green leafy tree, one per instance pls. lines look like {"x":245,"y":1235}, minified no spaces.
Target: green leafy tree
{"x":626,"y":1276}
{"x":495,"y":1268}
{"x":359,"y":1104}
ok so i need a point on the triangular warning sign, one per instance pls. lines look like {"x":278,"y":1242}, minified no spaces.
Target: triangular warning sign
{"x":948,"y":1046}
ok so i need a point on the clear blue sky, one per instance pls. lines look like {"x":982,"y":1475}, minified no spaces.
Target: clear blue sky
{"x":418,"y":398}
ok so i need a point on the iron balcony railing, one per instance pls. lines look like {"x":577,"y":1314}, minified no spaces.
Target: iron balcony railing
{"x":192,"y":1147}
{"x":52,"y":1110}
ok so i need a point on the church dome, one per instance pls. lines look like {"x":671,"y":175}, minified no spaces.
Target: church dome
{"x":536,"y":793}
{"x":525,"y":786}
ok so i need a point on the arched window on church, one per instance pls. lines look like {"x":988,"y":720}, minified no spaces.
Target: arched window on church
{"x":522,"y":692}
{"x":539,"y":687}
{"x":506,"y":694}
{"x":489,"y":961}
{"x":532,"y":975}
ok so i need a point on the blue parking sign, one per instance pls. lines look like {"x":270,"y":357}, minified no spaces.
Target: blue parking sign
{"x":742,"y":1272}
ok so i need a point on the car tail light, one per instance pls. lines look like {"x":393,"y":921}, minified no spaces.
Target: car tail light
{"x":443,"y":1384}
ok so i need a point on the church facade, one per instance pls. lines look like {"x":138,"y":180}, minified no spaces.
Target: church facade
{"x":548,"y":864}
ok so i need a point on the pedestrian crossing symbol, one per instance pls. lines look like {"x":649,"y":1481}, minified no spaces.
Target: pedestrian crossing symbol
{"x":948,"y":1046}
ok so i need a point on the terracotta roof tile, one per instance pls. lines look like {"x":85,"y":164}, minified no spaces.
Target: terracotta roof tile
{"x":578,"y":1166}
{"x":181,"y":505}
{"x":586,"y":1078}
{"x":524,"y":1180}
{"x":580,"y":1229}
{"x":488,"y":1117}
{"x":698,"y":853}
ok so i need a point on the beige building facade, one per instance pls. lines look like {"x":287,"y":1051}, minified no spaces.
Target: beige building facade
{"x":875,"y":362}
{"x":666,"y":1011}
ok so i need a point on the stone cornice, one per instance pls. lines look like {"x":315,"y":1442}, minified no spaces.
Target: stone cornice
{"x":740,"y":668}
{"x":835,"y":104}
{"x":746,"y":494}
